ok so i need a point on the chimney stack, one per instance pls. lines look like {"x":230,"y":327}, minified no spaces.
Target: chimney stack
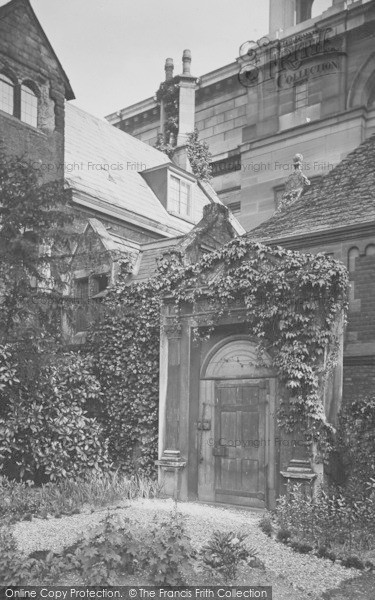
{"x":168,"y":68}
{"x":186,"y":62}
{"x":187,"y":84}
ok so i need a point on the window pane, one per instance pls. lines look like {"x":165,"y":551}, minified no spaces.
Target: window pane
{"x":6,"y":95}
{"x":179,"y":196}
{"x":29,"y":106}
{"x":174,"y":194}
{"x":185,"y":198}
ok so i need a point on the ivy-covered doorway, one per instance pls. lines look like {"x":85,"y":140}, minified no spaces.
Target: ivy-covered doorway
{"x":236,"y":427}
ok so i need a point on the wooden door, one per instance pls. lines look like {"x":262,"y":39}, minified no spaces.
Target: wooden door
{"x":240,"y":442}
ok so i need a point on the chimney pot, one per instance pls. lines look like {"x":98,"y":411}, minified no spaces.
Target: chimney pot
{"x":168,"y":68}
{"x":186,"y":61}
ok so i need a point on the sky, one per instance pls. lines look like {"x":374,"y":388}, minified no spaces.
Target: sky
{"x":114,"y":51}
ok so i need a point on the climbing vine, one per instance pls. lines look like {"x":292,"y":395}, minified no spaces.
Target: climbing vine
{"x":167,"y":95}
{"x":199,"y":156}
{"x":291,"y":302}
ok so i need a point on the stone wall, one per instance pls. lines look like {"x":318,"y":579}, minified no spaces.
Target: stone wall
{"x":262,"y":122}
{"x":26,"y":56}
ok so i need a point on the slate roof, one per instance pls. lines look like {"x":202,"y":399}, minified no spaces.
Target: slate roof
{"x":91,"y":143}
{"x":344,"y":197}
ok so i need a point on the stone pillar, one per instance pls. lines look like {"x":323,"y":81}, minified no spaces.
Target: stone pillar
{"x":170,"y":462}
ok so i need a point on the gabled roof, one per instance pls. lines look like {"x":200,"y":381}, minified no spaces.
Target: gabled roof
{"x":26,"y":6}
{"x":344,"y":197}
{"x":216,"y":227}
{"x":112,"y":242}
{"x":103,"y":167}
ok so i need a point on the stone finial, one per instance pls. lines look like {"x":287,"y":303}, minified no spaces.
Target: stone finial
{"x":186,"y":62}
{"x":168,"y":68}
{"x":295,"y":184}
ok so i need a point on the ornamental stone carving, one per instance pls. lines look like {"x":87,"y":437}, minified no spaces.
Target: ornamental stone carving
{"x":295,"y":184}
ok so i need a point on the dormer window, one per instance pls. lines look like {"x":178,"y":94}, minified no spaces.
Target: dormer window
{"x":6,"y":94}
{"x":29,"y":106}
{"x":179,"y":200}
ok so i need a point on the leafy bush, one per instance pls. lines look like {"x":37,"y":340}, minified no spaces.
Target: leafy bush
{"x":107,"y":552}
{"x":353,"y":562}
{"x":224,"y":552}
{"x":356,"y":445}
{"x":327,"y":520}
{"x":16,"y":569}
{"x":111,"y":550}
{"x":47,"y":434}
{"x":266,"y":524}
{"x":283,"y":535}
{"x":167,"y":553}
{"x":324,"y":552}
{"x":301,"y":547}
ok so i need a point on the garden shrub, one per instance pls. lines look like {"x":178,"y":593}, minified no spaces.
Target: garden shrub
{"x":356,"y":445}
{"x":353,"y":562}
{"x":107,"y":552}
{"x":327,"y":520}
{"x":167,"y":554}
{"x":284,"y":535}
{"x":266,"y":524}
{"x":46,"y":434}
{"x":17,"y":569}
{"x":224,"y":553}
{"x":301,"y":547}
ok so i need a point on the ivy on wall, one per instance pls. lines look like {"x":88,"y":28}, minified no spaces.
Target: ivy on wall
{"x":199,"y":156}
{"x":291,"y":304}
{"x":168,"y":96}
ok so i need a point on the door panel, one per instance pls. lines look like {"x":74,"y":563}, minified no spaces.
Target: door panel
{"x":240,"y":447}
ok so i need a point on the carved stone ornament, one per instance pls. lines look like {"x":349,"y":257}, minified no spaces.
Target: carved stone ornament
{"x":294,"y":185}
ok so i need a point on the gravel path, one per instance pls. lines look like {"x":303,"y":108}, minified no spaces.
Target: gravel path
{"x":308,"y":575}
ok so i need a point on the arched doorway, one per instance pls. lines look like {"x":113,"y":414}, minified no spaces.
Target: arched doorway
{"x":236,"y":427}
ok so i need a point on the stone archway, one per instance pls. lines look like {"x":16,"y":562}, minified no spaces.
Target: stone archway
{"x":236,"y":427}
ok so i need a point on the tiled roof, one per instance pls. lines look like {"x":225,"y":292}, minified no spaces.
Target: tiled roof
{"x":104,"y":164}
{"x":344,"y":197}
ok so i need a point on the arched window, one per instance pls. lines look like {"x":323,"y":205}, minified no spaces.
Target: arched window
{"x":29,"y":105}
{"x":6,"y":94}
{"x":370,"y":250}
{"x":352,"y":255}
